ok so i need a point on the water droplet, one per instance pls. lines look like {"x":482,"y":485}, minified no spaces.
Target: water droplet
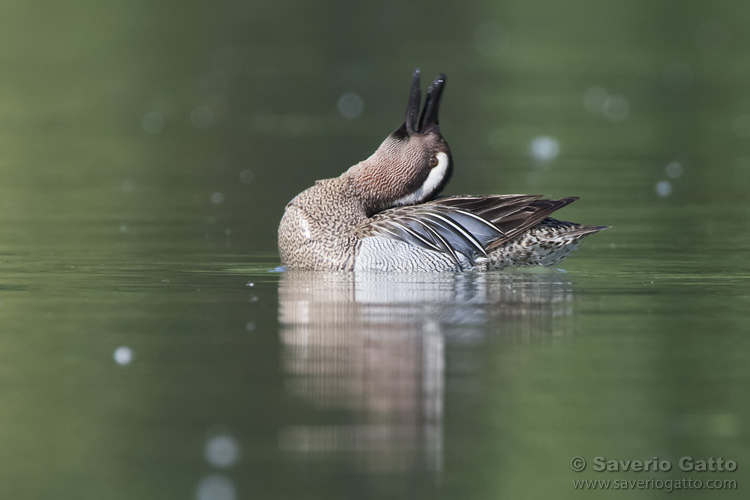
{"x":250,"y":326}
{"x":544,"y":148}
{"x":247,"y":176}
{"x":217,"y":198}
{"x":594,"y":99}
{"x":216,"y":487}
{"x":674,"y":170}
{"x":350,"y":105}
{"x":123,"y":228}
{"x":616,"y":108}
{"x":123,"y":355}
{"x":222,"y":450}
{"x":663,"y":188}
{"x":152,"y":122}
{"x":127,"y":186}
{"x":228,"y":232}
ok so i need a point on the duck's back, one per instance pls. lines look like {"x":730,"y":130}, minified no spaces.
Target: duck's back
{"x":469,"y":232}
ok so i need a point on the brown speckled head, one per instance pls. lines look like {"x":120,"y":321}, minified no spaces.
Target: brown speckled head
{"x":414,"y":163}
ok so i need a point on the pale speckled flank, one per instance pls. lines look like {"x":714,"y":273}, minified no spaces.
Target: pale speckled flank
{"x":546,"y":244}
{"x":317,"y":229}
{"x":378,"y":253}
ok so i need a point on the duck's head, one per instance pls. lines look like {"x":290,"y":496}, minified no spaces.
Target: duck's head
{"x":414,"y":162}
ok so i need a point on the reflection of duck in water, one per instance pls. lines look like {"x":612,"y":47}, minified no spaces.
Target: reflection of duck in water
{"x":378,"y":215}
{"x":365,"y":353}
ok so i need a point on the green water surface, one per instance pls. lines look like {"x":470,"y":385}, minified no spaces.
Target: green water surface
{"x":148,"y":349}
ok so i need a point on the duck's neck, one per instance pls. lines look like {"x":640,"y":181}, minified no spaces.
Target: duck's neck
{"x":366,"y":184}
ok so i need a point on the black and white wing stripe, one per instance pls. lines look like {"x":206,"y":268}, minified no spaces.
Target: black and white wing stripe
{"x":447,"y":230}
{"x":468,"y":225}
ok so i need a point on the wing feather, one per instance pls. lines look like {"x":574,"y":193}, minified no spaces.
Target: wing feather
{"x":469,"y":225}
{"x":474,"y":245}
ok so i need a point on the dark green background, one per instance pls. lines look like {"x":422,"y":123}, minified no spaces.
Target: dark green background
{"x":118,"y":230}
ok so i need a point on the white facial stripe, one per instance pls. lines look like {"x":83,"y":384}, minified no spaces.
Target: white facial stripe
{"x":433,"y":180}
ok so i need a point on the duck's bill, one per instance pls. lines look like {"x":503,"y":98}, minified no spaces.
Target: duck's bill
{"x":414,"y":123}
